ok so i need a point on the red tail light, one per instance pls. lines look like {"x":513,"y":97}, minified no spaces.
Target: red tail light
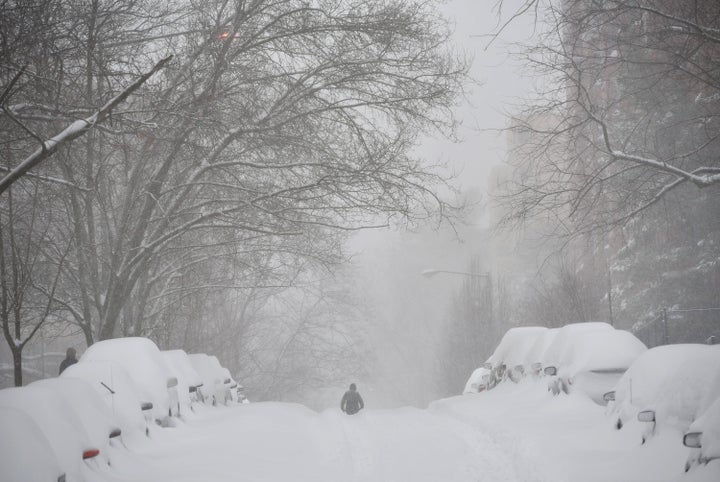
{"x":88,"y":454}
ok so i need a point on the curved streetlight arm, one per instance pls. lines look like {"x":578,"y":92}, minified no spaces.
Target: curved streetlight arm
{"x":432,"y":272}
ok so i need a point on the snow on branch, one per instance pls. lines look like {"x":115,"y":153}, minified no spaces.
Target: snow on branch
{"x":74,"y":130}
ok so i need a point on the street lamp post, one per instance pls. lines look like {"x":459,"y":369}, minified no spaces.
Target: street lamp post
{"x":485,"y":333}
{"x":428,"y":273}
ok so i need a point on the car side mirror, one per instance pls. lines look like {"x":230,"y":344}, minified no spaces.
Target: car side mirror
{"x":172,"y":382}
{"x":609,"y":396}
{"x":646,"y":416}
{"x":693,"y":440}
{"x":146,"y":406}
{"x":550,"y":371}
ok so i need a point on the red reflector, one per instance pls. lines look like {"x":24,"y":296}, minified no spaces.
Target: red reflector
{"x":88,"y":454}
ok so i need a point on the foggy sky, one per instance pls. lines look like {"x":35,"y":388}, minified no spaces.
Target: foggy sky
{"x":408,"y":307}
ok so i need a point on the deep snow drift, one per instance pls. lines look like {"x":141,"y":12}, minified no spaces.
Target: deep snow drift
{"x":512,"y":433}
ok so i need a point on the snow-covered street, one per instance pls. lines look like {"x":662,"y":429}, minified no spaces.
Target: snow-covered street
{"x":277,"y":441}
{"x":513,"y":433}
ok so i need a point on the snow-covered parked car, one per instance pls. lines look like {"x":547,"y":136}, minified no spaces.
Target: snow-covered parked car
{"x":230,"y":384}
{"x":54,"y":415}
{"x":480,"y":380}
{"x":510,"y":354}
{"x":115,"y":387}
{"x":703,"y":438}
{"x":594,"y":361}
{"x":536,"y":357}
{"x":556,"y":352}
{"x":667,"y":386}
{"x":216,"y":379}
{"x":25,"y":452}
{"x":189,"y":380}
{"x":89,"y":411}
{"x":153,"y":379}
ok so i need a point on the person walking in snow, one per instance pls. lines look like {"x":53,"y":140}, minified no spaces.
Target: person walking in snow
{"x":69,"y":359}
{"x":352,"y":402}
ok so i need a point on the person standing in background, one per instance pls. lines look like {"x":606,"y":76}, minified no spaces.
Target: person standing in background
{"x":69,"y":359}
{"x":352,"y":402}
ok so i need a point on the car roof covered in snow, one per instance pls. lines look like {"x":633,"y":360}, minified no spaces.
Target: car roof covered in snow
{"x":179,"y":362}
{"x":208,"y":368}
{"x":674,"y":380}
{"x":601,"y":350}
{"x":565,"y":337}
{"x":512,"y":349}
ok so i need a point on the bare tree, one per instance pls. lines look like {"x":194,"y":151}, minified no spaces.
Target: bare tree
{"x":280,"y":121}
{"x":628,"y":113}
{"x":32,"y":255}
{"x":70,"y":133}
{"x":279,"y":127}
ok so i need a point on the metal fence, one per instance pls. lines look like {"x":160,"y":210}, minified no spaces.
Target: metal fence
{"x":695,"y":325}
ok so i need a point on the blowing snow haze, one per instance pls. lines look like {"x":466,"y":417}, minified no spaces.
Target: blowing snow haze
{"x":271,"y":200}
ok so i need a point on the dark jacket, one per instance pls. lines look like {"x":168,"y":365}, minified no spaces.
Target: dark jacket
{"x":351,"y":402}
{"x":66,"y":363}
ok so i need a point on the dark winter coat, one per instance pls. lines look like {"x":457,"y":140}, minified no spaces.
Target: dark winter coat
{"x":351,"y":402}
{"x":66,"y":363}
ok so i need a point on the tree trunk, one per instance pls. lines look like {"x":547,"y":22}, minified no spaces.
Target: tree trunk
{"x":17,"y":366}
